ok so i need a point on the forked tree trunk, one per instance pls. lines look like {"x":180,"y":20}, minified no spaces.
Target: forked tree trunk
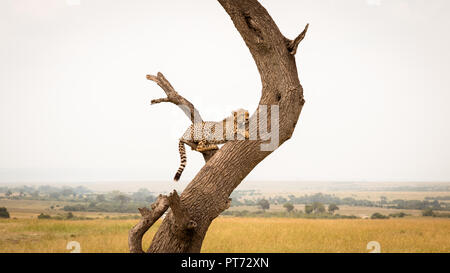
{"x":207,"y":196}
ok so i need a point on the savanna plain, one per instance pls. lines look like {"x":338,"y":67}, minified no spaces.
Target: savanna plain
{"x":257,"y":230}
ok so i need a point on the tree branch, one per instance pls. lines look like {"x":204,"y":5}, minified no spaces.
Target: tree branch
{"x":175,"y":98}
{"x":186,"y":106}
{"x":183,"y":221}
{"x":183,"y":225}
{"x":149,"y":217}
{"x":160,"y":100}
{"x":293,"y":45}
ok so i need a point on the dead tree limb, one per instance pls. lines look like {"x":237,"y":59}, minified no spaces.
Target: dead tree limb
{"x":208,"y":193}
{"x":175,"y":98}
{"x":181,"y":227}
{"x":293,"y":45}
{"x":149,"y":217}
{"x":186,"y":106}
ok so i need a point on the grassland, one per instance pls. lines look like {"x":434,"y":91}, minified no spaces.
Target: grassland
{"x":237,"y":235}
{"x":25,"y":233}
{"x":32,"y":208}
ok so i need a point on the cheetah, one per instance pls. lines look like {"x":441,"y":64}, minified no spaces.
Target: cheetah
{"x":207,"y":135}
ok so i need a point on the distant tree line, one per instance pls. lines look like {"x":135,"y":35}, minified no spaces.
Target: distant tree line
{"x":82,"y":198}
{"x":115,"y":202}
{"x":71,"y":216}
{"x":46,"y":192}
{"x":430,"y":212}
{"x":285,"y":214}
{"x":418,"y":205}
{"x":239,"y":199}
{"x":444,"y":198}
{"x":314,"y":210}
{"x":85,"y":199}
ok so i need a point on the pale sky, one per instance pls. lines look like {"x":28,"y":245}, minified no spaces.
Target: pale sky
{"x":75,"y":104}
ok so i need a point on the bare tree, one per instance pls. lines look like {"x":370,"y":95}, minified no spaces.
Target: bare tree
{"x":207,"y":196}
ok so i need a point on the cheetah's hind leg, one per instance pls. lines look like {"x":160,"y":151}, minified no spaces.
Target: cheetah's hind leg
{"x":210,"y":147}
{"x":203,"y":147}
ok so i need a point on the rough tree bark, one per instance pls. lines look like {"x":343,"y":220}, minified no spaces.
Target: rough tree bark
{"x":207,"y":196}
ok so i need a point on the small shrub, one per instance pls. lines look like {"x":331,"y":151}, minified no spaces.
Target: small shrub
{"x":332,"y":208}
{"x":264,"y":204}
{"x":44,"y":216}
{"x":289,"y":207}
{"x":4,"y":213}
{"x":377,"y":215}
{"x":427,"y":212}
{"x":398,"y":215}
{"x":442,"y":215}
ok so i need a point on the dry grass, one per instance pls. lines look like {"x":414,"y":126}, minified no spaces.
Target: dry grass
{"x":237,"y":235}
{"x":306,"y":235}
{"x":99,"y":236}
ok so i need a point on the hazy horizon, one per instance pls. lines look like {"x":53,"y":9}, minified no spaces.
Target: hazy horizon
{"x":75,"y":104}
{"x":55,"y":176}
{"x":291,"y":187}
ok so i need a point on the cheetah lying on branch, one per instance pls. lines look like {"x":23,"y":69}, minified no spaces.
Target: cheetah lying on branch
{"x":207,"y":135}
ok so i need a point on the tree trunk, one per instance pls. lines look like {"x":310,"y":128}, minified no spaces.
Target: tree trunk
{"x":207,"y":196}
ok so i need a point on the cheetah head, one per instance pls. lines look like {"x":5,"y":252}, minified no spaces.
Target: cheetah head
{"x":241,"y":117}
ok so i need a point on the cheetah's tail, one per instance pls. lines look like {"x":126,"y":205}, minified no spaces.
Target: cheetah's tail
{"x":182,"y":151}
